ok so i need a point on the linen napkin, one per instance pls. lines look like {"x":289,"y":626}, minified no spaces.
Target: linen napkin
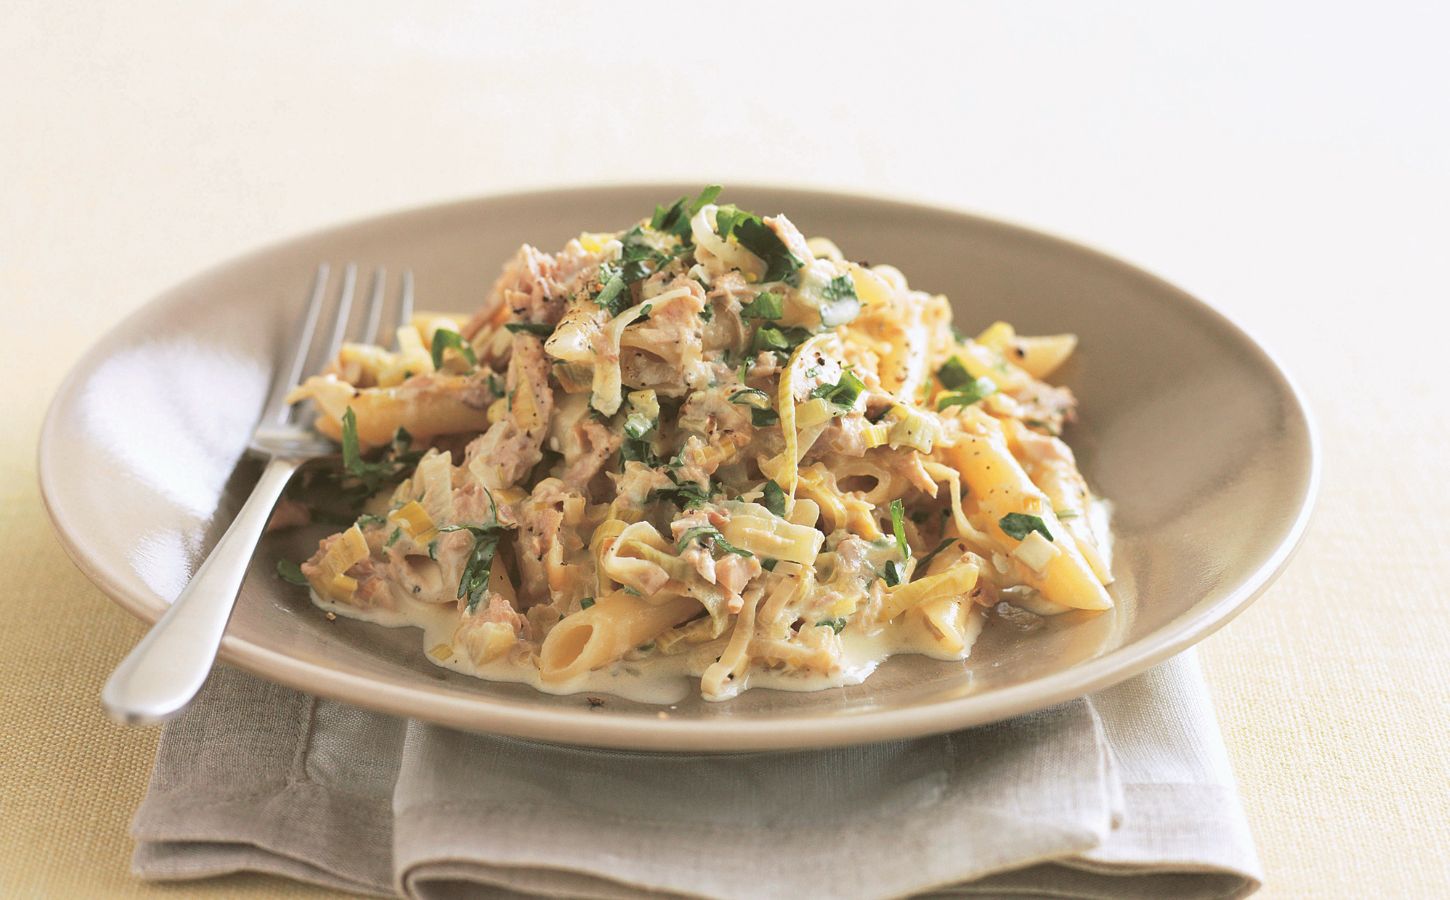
{"x":1125,"y":794}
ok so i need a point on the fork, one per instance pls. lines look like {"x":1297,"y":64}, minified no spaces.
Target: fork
{"x":167,"y":669}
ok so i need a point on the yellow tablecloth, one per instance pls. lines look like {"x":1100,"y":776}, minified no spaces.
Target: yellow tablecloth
{"x":1289,"y":165}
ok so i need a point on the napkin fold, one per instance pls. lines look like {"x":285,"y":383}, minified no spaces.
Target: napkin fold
{"x":1128,"y":793}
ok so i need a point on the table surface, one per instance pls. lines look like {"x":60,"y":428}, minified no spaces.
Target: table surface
{"x":1287,"y":164}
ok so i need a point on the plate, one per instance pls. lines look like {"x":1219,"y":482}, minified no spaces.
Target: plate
{"x":1187,"y":424}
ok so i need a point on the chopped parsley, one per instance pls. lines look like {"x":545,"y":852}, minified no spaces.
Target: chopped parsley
{"x":839,"y":302}
{"x":445,"y":338}
{"x":393,"y":538}
{"x":290,"y":572}
{"x":843,"y":393}
{"x":709,"y":533}
{"x":837,"y":625}
{"x":754,"y":235}
{"x":612,"y":296}
{"x":478,"y":568}
{"x":686,"y":495}
{"x":707,"y":312}
{"x":640,"y":426}
{"x":1019,"y":525}
{"x":926,"y":560}
{"x":895,"y":573}
{"x":586,"y":603}
{"x":761,"y":415}
{"x":637,"y":451}
{"x":781,"y":340}
{"x":953,"y":374}
{"x":751,"y":397}
{"x":638,"y":257}
{"x":542,"y":329}
{"x":367,"y":519}
{"x":898,"y":527}
{"x":766,"y":305}
{"x":769,"y":564}
{"x":968,"y":393}
{"x":371,"y":476}
{"x":675,"y":218}
{"x":774,"y":498}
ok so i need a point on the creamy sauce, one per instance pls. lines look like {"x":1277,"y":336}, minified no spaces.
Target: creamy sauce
{"x":669,"y":678}
{"x":659,"y":678}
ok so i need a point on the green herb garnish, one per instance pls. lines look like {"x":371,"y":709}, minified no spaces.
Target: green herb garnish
{"x":373,"y":475}
{"x":687,"y":495}
{"x":754,"y":235}
{"x":781,"y":340}
{"x":970,"y":392}
{"x":895,"y":573}
{"x":926,"y":560}
{"x":840,"y":303}
{"x":675,"y":218}
{"x":1019,"y":525}
{"x":764,"y":418}
{"x":837,"y":625}
{"x":586,"y":603}
{"x":709,"y":533}
{"x":393,"y":538}
{"x":774,"y":498}
{"x":612,"y":295}
{"x":290,"y":572}
{"x":443,"y":339}
{"x":843,"y":393}
{"x":953,"y":374}
{"x":367,"y":519}
{"x":898,"y":527}
{"x":766,"y":305}
{"x":751,"y":397}
{"x":476,"y":571}
{"x":638,"y":258}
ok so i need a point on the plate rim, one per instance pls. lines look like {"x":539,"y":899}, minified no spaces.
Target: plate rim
{"x":644,"y":733}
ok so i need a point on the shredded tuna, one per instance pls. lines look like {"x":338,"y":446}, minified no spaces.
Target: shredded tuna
{"x":540,"y":516}
{"x":513,"y":446}
{"x":590,"y":446}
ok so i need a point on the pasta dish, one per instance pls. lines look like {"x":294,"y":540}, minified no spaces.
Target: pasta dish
{"x":703,"y":446}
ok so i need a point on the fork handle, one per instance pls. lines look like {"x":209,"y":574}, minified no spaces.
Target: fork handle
{"x":167,"y":669}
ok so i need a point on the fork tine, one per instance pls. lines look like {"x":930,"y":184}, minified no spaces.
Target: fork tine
{"x":405,"y":302}
{"x":374,"y":317}
{"x":287,"y":378}
{"x":341,"y":315}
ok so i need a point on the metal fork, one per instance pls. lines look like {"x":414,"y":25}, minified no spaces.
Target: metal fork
{"x":165,"y":671}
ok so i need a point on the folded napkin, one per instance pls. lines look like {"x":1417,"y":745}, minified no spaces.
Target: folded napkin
{"x":1125,"y":794}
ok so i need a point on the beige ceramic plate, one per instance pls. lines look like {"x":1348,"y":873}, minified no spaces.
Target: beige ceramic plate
{"x":1187,"y":425}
